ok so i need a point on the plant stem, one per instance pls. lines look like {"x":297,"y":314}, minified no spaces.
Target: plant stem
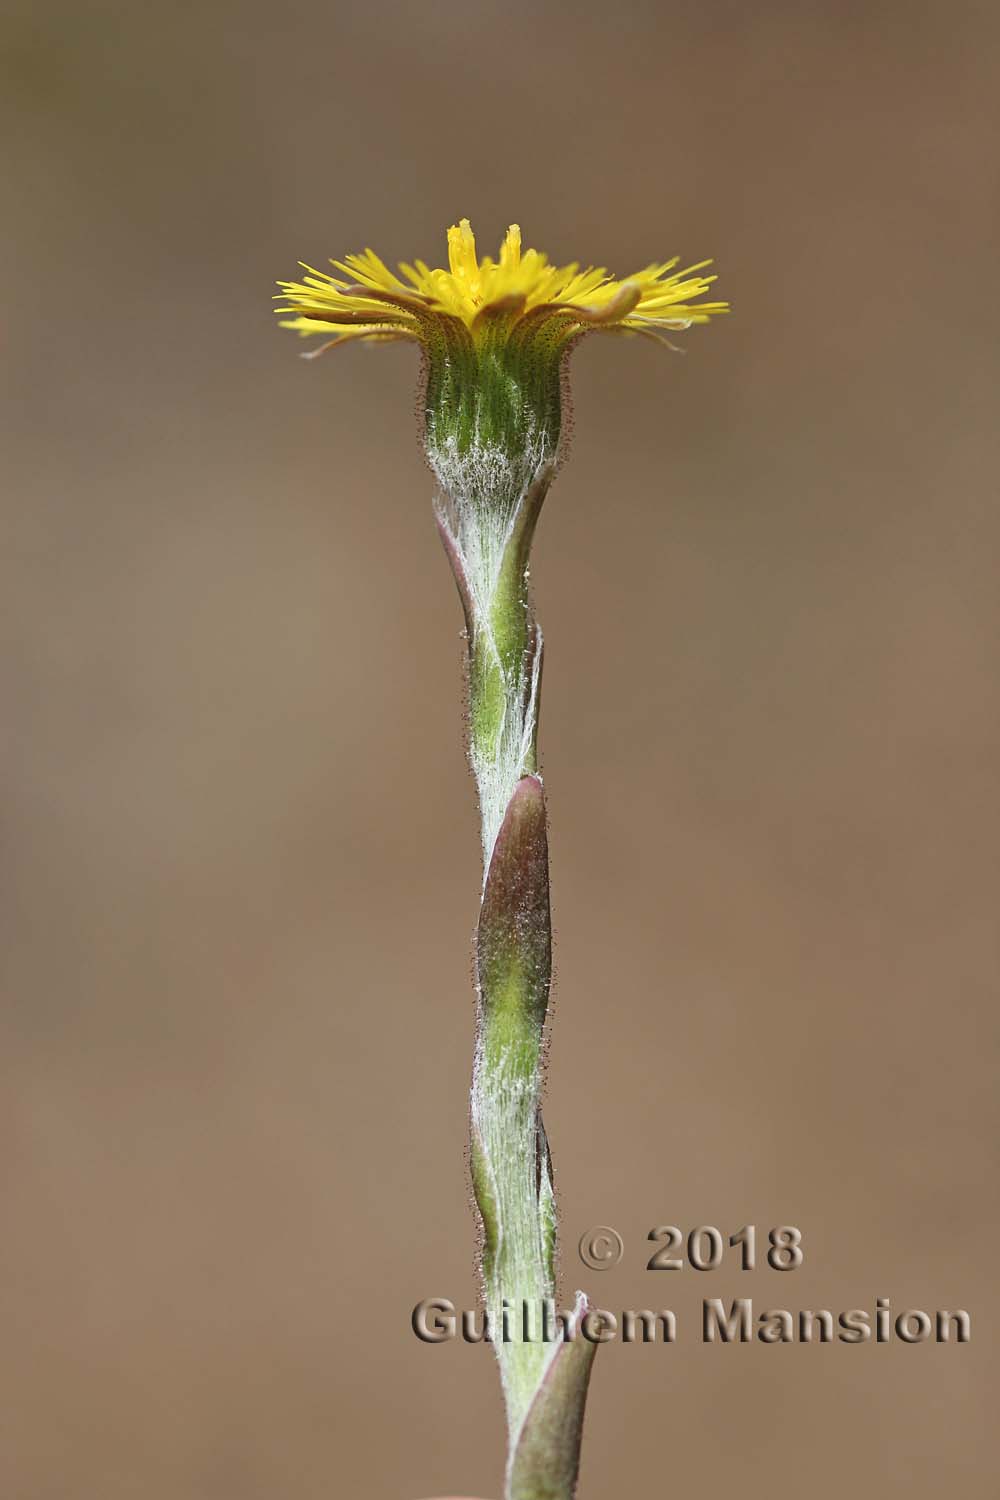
{"x":544,"y":1383}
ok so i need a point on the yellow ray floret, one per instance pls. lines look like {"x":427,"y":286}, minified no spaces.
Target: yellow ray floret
{"x":373,"y":303}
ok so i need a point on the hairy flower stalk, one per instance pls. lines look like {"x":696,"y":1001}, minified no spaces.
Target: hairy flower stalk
{"x":495,"y":336}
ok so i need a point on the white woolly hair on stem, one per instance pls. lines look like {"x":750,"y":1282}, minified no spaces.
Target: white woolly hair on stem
{"x":481,"y":494}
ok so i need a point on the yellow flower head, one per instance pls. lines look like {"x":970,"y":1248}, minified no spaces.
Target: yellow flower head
{"x":519,"y":292}
{"x":494,"y":335}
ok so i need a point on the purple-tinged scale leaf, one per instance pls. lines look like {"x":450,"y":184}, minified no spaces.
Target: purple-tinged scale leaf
{"x":514,"y":941}
{"x":545,"y":1463}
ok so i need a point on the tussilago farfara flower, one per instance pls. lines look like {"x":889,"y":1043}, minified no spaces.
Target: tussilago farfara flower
{"x":519,"y":288}
{"x":494,"y":332}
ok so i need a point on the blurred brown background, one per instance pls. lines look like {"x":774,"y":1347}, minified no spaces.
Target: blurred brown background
{"x":239,"y":845}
